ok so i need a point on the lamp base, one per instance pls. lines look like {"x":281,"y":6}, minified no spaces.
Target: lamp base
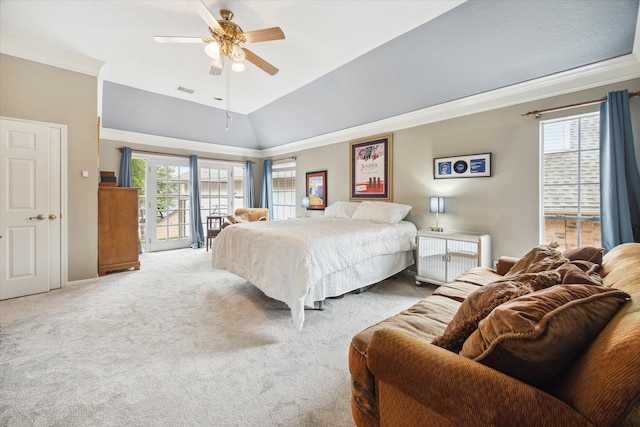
{"x":440,"y":229}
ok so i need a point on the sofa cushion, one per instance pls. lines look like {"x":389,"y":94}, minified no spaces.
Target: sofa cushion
{"x":467,"y":282}
{"x":580,"y":272}
{"x":535,"y":336}
{"x":484,"y":299}
{"x":585,"y":253}
{"x":540,"y":258}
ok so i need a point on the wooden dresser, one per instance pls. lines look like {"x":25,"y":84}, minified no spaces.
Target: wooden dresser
{"x":117,"y":229}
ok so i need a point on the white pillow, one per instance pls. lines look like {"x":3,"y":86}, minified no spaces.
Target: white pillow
{"x":341,"y":209}
{"x":381,"y":212}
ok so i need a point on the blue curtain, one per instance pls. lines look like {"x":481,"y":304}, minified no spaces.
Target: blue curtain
{"x":197,"y":235}
{"x":248,"y":192}
{"x":266,"y":199}
{"x":125,"y":168}
{"x":619,"y":177}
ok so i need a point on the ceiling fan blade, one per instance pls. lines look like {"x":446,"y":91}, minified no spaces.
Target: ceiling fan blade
{"x":217,"y":65}
{"x":265,"y":35}
{"x":178,"y":39}
{"x":201,"y":9}
{"x":259,"y":62}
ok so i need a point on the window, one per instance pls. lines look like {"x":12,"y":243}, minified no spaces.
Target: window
{"x":571,"y":181}
{"x":284,"y":190}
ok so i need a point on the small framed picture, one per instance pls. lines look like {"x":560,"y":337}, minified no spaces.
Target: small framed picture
{"x":469,"y":166}
{"x":317,"y":190}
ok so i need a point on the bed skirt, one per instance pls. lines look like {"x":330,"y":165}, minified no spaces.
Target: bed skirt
{"x":366,"y":273}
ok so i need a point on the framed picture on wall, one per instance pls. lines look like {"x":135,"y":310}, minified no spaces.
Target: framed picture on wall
{"x":317,"y":190}
{"x":469,"y":166}
{"x":370,"y":168}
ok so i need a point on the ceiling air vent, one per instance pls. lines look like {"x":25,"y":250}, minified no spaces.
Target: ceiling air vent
{"x":186,"y":90}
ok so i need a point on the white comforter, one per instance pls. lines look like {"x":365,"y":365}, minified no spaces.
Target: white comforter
{"x":286,"y":258}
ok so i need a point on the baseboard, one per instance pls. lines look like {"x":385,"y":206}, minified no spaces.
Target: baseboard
{"x":80,"y":282}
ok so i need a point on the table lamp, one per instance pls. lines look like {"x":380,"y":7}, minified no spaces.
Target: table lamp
{"x":436,"y":205}
{"x":305,"y":202}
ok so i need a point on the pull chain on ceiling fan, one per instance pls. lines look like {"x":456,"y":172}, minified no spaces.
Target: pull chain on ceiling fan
{"x":224,"y":42}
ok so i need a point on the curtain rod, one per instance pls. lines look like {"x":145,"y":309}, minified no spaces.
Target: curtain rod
{"x":285,"y":159}
{"x":537,"y":113}
{"x":180,"y":155}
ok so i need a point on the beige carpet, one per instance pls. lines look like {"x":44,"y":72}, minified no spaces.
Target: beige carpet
{"x":180,"y":344}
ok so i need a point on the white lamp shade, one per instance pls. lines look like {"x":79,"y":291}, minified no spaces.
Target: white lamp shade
{"x":237,"y":66}
{"x":237,"y":54}
{"x":305,"y":202}
{"x":436,"y":204}
{"x":212,"y":49}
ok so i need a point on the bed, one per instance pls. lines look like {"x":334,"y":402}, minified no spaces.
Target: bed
{"x":303,"y":261}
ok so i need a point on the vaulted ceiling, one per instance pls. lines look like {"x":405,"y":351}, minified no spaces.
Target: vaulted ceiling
{"x":343,"y":64}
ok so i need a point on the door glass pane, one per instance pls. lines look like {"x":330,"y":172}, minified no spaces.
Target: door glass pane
{"x":238,"y":187}
{"x":172,"y":195}
{"x":139,"y":179}
{"x":213,"y":191}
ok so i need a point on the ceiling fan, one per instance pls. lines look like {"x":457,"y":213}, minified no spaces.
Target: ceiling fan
{"x":225,"y":39}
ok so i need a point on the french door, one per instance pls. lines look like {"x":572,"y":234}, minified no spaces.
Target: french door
{"x":168,"y":207}
{"x":165,"y":208}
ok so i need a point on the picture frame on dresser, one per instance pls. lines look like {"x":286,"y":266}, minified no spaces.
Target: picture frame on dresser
{"x":370,"y":174}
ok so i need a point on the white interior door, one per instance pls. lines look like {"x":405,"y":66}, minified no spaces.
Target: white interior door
{"x":27,"y":222}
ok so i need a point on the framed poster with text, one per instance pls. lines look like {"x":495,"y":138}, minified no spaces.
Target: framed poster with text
{"x":370,"y":168}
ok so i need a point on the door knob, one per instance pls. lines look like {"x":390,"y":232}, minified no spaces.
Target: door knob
{"x":53,"y":216}
{"x":39,"y":217}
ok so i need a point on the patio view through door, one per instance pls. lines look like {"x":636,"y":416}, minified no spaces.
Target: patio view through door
{"x":164,"y":205}
{"x":168,"y":217}
{"x":221,"y":189}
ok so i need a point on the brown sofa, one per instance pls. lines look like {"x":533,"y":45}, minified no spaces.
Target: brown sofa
{"x":400,"y":379}
{"x":246,"y":215}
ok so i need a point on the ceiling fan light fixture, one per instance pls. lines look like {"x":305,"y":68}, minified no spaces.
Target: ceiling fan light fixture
{"x":212,"y":49}
{"x":237,"y":66}
{"x":237,"y":54}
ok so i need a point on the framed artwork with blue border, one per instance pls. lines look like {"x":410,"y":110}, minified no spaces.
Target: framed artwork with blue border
{"x":469,"y":166}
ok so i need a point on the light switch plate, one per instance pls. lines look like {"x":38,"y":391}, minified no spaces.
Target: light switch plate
{"x":85,"y":174}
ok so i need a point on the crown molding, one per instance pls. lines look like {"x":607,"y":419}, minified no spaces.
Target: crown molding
{"x":56,"y":58}
{"x":183,"y":144}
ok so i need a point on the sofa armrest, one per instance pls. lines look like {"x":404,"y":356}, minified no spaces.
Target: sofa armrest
{"x":504,"y":264}
{"x":416,"y":380}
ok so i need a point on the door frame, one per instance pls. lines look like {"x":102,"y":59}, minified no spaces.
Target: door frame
{"x":58,"y":189}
